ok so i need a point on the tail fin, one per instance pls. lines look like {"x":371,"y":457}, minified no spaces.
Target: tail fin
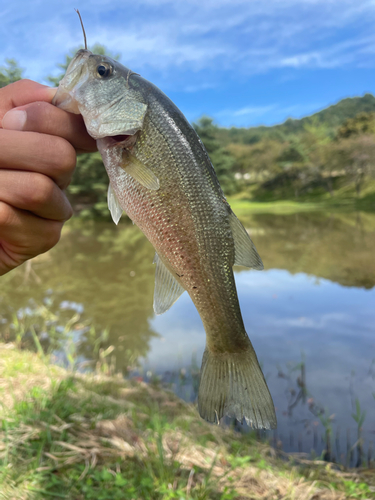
{"x":233,"y":384}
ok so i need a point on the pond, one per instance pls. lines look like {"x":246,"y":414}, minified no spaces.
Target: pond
{"x":310,"y":315}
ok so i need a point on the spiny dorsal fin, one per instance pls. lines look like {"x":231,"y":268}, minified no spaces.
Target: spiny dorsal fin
{"x":114,"y":205}
{"x":245,"y":252}
{"x":139,"y":171}
{"x":167,"y":288}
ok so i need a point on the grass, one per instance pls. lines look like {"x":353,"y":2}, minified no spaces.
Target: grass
{"x":73,"y":436}
{"x":255,"y":200}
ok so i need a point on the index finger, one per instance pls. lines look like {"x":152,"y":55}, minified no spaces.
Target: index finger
{"x":23,"y":92}
{"x":45,"y":118}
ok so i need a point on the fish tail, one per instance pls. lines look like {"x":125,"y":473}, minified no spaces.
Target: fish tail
{"x":233,"y":384}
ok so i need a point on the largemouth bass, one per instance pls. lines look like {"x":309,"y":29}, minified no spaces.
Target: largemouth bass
{"x":161,"y":176}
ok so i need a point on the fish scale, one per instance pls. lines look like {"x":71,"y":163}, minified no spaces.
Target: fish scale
{"x":162,"y":177}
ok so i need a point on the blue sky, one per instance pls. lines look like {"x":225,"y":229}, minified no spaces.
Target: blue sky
{"x":243,"y":62}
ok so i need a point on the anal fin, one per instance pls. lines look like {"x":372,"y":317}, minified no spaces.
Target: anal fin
{"x":167,"y":288}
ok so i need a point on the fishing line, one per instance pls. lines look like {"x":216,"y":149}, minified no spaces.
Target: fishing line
{"x":83,"y":29}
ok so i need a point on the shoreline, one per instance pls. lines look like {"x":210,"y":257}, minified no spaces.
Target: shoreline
{"x":68,"y":435}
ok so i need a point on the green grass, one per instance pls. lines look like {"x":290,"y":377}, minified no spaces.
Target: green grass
{"x":256,"y":200}
{"x":71,"y":436}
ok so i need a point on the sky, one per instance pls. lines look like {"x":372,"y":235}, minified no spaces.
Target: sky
{"x":242,"y":62}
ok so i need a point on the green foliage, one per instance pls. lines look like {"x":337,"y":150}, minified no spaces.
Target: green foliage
{"x":293,"y":153}
{"x":358,"y":490}
{"x":88,"y":189}
{"x":284,"y":161}
{"x":10,"y":73}
{"x":103,"y":483}
{"x":333,"y":116}
{"x":221,"y":158}
{"x":301,"y":156}
{"x":359,"y":416}
{"x":362,"y":123}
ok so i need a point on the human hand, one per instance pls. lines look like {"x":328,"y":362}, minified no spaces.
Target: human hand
{"x":38,"y":144}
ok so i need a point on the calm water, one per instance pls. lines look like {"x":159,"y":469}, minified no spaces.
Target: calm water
{"x":310,"y":315}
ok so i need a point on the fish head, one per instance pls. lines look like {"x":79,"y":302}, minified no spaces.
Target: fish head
{"x":75,"y":76}
{"x":101,"y":90}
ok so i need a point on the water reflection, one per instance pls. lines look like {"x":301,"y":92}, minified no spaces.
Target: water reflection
{"x":313,"y":302}
{"x":108,"y":271}
{"x":290,"y":318}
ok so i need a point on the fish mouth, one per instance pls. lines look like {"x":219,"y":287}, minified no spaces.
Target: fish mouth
{"x":121,"y":140}
{"x":75,"y":76}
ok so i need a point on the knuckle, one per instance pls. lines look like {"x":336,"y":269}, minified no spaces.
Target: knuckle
{"x":6,"y":215}
{"x":64,"y":158}
{"x":41,"y":191}
{"x":68,"y":157}
{"x":18,"y":87}
{"x":23,"y":84}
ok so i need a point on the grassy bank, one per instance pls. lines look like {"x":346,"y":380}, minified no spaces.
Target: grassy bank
{"x":344,"y":199}
{"x":84,"y":437}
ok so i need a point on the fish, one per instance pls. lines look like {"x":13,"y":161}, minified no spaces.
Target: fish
{"x":161,"y":176}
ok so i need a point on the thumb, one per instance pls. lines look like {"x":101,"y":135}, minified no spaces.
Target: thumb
{"x":23,"y":92}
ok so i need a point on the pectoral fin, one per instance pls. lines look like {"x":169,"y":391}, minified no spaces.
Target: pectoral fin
{"x":167,"y":288}
{"x":114,"y":205}
{"x":245,"y":252}
{"x":139,"y":171}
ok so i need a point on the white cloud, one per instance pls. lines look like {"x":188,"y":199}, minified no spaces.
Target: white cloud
{"x":168,"y":37}
{"x":253,"y":111}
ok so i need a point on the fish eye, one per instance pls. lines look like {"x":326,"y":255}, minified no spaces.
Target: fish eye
{"x":104,"y":71}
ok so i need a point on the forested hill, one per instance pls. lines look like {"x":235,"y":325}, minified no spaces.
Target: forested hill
{"x":335,"y":115}
{"x":325,"y":154}
{"x":331,"y":118}
{"x":331,"y":150}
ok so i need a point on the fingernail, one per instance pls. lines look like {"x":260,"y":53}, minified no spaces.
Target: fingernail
{"x":15,"y":119}
{"x":52,"y":91}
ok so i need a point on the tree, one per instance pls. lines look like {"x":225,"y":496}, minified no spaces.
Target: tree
{"x":88,"y":190}
{"x":354,"y":156}
{"x":363,"y":123}
{"x":259,"y":161}
{"x":10,"y":73}
{"x":221,"y":158}
{"x":293,"y":153}
{"x":362,"y":160}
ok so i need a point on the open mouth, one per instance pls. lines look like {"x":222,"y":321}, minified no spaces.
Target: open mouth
{"x":122,"y":140}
